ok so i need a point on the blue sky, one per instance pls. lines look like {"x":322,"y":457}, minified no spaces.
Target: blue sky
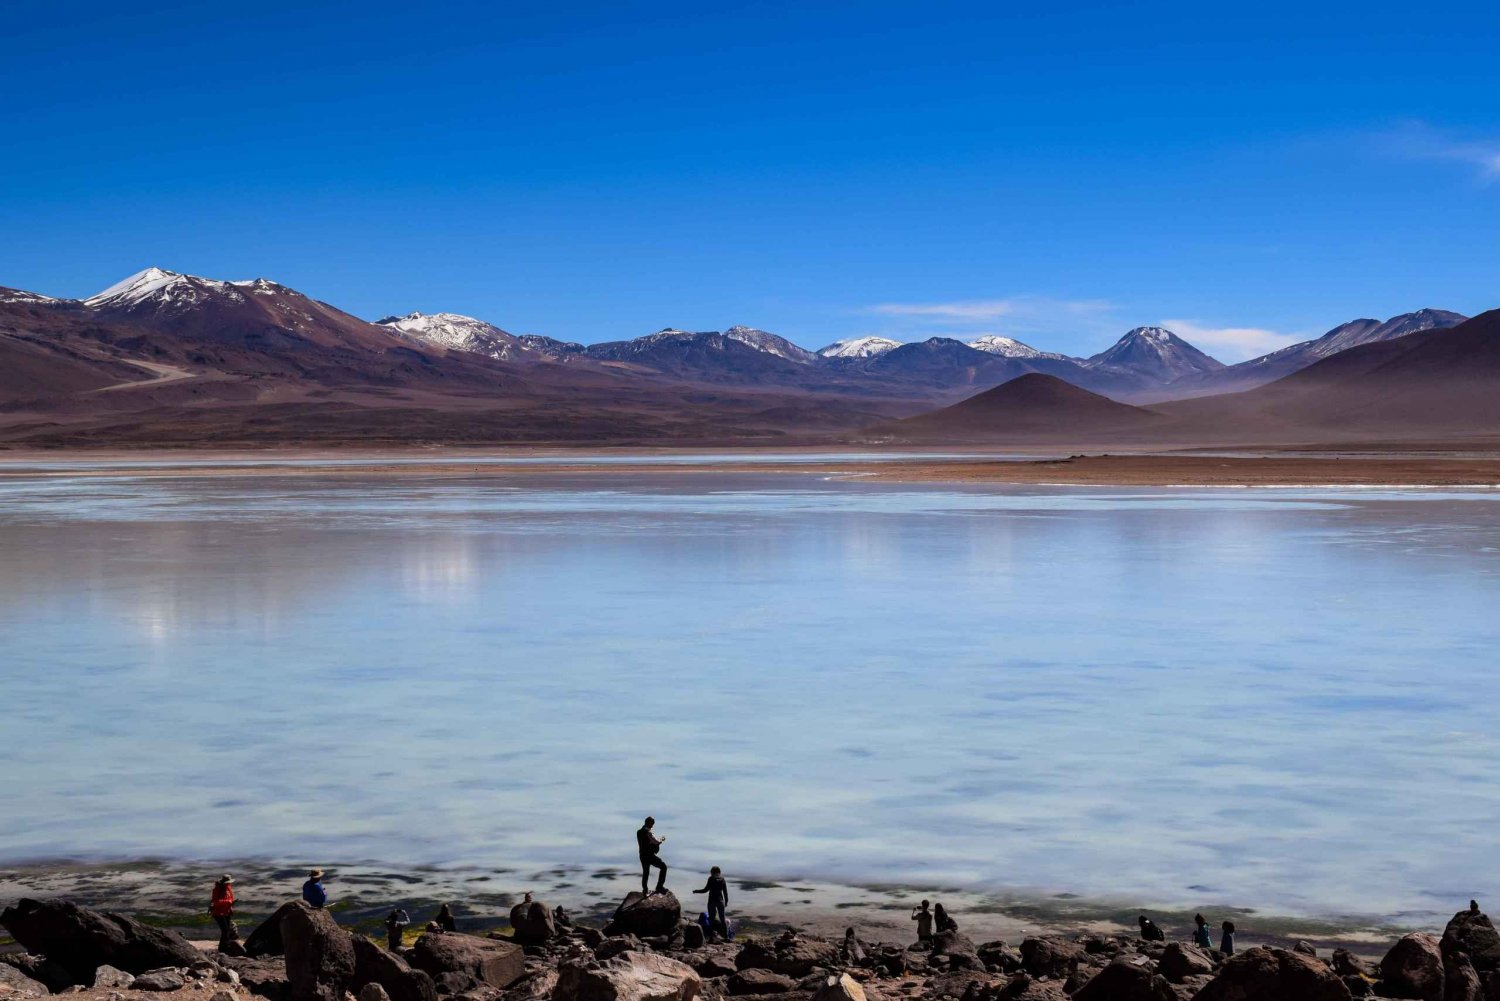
{"x":1054,"y":172}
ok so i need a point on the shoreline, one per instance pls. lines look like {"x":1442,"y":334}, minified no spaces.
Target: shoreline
{"x":172,"y":893}
{"x":1165,"y":470}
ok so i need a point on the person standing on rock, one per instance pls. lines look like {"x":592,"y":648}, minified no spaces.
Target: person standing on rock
{"x":650,"y":846}
{"x":923,"y":917}
{"x":943,"y":921}
{"x":1202,"y":937}
{"x":1226,"y":942}
{"x":395,"y":924}
{"x":718,"y":900}
{"x":445,"y":918}
{"x":313,"y":890}
{"x":221,"y":906}
{"x":1149,"y":931}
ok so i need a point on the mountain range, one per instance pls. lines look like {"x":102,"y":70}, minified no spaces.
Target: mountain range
{"x":169,"y":357}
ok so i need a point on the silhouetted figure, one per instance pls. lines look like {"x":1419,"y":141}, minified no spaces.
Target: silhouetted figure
{"x":562,"y":918}
{"x":445,"y":918}
{"x":1226,"y":941}
{"x":1202,"y":937}
{"x":1149,"y":931}
{"x":718,"y":900}
{"x":650,"y":846}
{"x":395,"y":924}
{"x":944,"y":922}
{"x":221,"y":906}
{"x":1473,"y":907}
{"x":922,"y":915}
{"x":313,"y":890}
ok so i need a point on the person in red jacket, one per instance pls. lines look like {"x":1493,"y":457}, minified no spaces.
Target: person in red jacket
{"x":221,"y":906}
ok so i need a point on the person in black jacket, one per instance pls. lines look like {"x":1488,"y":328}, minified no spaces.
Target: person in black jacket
{"x":650,"y":848}
{"x":718,"y":899}
{"x":1150,"y":932}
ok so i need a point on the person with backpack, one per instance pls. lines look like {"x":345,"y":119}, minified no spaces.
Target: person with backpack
{"x":221,"y":907}
{"x":718,"y":900}
{"x":395,"y":924}
{"x":650,"y":848}
{"x":1149,"y":931}
{"x":1226,"y":942}
{"x":1202,"y":938}
{"x":445,"y":918}
{"x":943,"y":921}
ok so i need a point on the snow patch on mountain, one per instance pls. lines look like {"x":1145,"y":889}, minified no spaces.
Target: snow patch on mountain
{"x":1009,"y":347}
{"x":1154,"y":352}
{"x":859,"y":347}
{"x":456,"y":332}
{"x":770,"y":343}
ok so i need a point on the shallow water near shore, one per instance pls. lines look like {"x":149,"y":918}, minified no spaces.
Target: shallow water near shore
{"x":1281,"y":699}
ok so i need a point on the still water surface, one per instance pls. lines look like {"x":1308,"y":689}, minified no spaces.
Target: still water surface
{"x":1284,"y":699}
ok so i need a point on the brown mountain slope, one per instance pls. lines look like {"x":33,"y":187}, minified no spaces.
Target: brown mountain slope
{"x":1031,"y":407}
{"x":1443,"y":383}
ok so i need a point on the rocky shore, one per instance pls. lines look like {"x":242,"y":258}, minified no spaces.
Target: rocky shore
{"x":647,"y":951}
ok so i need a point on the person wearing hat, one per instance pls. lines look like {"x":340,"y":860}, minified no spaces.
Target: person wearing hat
{"x":313,"y":891}
{"x":221,"y":906}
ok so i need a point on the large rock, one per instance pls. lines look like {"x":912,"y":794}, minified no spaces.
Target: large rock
{"x":488,"y":961}
{"x":758,"y":981}
{"x":532,"y":924}
{"x":1127,"y":979}
{"x":1472,"y":933}
{"x":265,"y":977}
{"x":80,"y":939}
{"x":790,"y":955}
{"x":1460,"y":979}
{"x":15,"y":984}
{"x":960,"y":950}
{"x":1347,"y":964}
{"x":1180,"y":961}
{"x":1262,"y":974}
{"x":630,"y":976}
{"x":840,"y":987}
{"x":374,"y":965}
{"x":319,"y":954}
{"x":1413,"y":969}
{"x":265,"y":940}
{"x":656,"y":915}
{"x":109,"y":978}
{"x":159,"y":980}
{"x":1050,"y":957}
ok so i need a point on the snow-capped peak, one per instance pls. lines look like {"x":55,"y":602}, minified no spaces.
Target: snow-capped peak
{"x":21,"y":295}
{"x":456,"y":332}
{"x":1009,"y":347}
{"x":163,"y":288}
{"x":859,"y":347}
{"x":1155,"y":352}
{"x":770,"y":343}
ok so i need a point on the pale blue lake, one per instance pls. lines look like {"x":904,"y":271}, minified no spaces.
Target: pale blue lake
{"x":1284,"y":699}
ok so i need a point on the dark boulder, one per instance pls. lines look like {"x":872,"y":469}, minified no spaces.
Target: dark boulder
{"x":1050,"y":957}
{"x":1460,"y":979}
{"x":319,"y":954}
{"x":159,"y":980}
{"x":1347,"y":964}
{"x":1262,"y":974}
{"x":643,"y":916}
{"x":80,"y":940}
{"x":630,"y":976}
{"x":265,"y":940}
{"x":531,"y":923}
{"x":790,"y":955}
{"x":692,"y":936}
{"x":1472,"y":933}
{"x":999,"y":956}
{"x":1305,"y":948}
{"x":758,"y":981}
{"x":1180,"y":961}
{"x":374,"y":965}
{"x":488,"y":961}
{"x":1127,"y":979}
{"x":265,"y":977}
{"x":1413,"y":969}
{"x":713,"y":961}
{"x":960,"y":951}
{"x":454,"y":982}
{"x":616,"y":944}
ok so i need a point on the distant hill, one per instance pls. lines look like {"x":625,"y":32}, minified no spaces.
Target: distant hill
{"x":1031,"y":406}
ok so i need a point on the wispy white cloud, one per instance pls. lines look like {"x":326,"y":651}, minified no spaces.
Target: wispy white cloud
{"x":1018,"y":315}
{"x":1418,"y":140}
{"x":1231,"y":344}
